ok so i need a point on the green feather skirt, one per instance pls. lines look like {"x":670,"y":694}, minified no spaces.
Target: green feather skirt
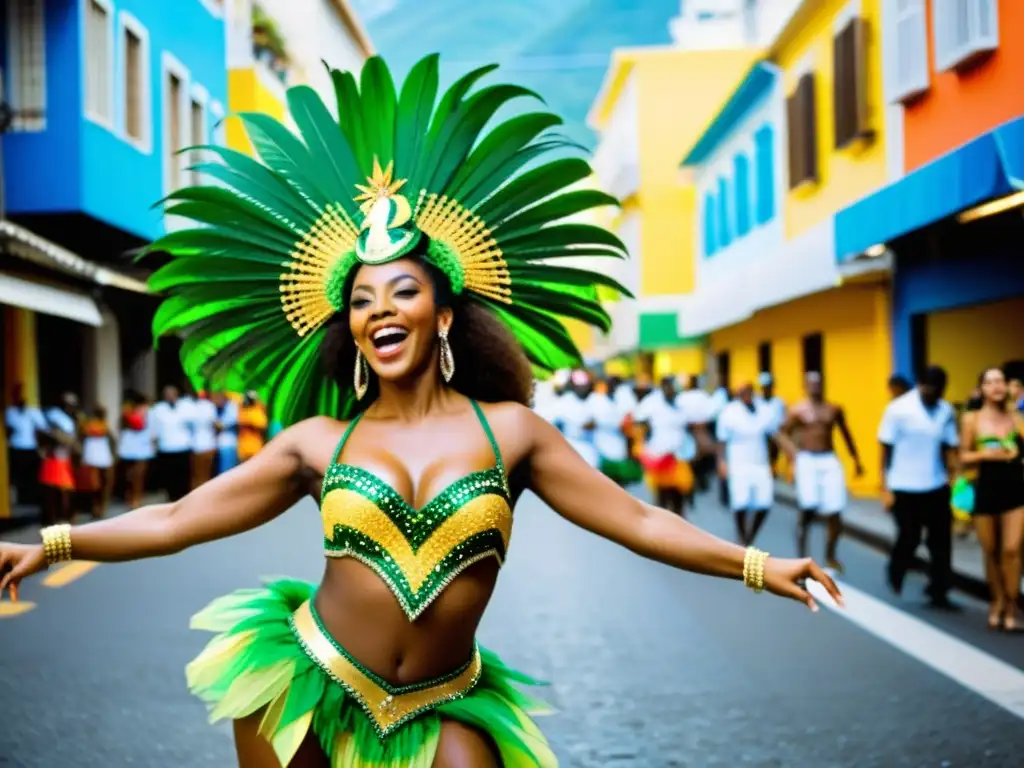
{"x":268,"y":655}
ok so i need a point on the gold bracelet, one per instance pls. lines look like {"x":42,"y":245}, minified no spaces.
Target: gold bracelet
{"x":753,"y":568}
{"x":56,"y":543}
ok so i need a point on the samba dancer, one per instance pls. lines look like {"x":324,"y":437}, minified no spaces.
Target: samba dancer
{"x":431,"y":318}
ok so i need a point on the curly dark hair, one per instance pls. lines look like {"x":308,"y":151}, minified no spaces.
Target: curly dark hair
{"x":490,"y":365}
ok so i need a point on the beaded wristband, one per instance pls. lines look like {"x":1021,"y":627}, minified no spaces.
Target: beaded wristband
{"x":56,"y":543}
{"x":753,"y":568}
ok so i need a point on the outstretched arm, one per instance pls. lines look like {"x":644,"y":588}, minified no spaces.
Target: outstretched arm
{"x":587,"y":498}
{"x":245,"y":497}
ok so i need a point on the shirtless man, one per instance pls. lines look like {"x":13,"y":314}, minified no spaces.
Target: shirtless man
{"x":820,"y":480}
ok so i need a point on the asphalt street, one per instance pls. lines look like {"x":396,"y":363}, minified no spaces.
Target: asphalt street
{"x":649,"y":666}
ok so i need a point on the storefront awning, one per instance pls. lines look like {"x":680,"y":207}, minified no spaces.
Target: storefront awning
{"x":26,"y":244}
{"x":49,"y":299}
{"x":991,"y":165}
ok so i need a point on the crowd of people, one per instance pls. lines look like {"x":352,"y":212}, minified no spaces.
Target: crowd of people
{"x":679,"y":435}
{"x":68,"y":461}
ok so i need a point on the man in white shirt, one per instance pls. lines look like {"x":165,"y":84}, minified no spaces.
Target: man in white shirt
{"x":776,"y":408}
{"x":227,"y":431}
{"x":203,"y":418}
{"x":171,"y":423}
{"x":919,"y":440}
{"x":743,"y":430}
{"x":665,"y":446}
{"x":696,"y":404}
{"x":23,"y":422}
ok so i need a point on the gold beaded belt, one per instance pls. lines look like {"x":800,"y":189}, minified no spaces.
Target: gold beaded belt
{"x":386,"y":705}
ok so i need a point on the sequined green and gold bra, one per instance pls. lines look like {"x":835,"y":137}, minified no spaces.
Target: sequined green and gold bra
{"x":417,"y":552}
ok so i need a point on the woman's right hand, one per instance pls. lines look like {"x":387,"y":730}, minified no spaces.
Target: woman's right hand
{"x":18,"y":561}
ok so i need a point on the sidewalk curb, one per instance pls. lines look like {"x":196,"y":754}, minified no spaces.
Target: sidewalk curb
{"x":963,"y":582}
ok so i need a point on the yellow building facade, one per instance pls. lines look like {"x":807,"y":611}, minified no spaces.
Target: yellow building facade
{"x":839,"y":325}
{"x":651,"y":107}
{"x":271,"y":47}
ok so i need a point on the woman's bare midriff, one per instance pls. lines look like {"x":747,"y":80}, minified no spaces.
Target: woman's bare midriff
{"x":363,"y":616}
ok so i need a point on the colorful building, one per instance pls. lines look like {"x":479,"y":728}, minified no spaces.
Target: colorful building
{"x":264,"y":58}
{"x":953,"y":218}
{"x":801,"y":135}
{"x":103,"y":94}
{"x":650,"y":109}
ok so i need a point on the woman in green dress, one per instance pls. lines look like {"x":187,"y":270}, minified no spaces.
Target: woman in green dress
{"x":414,"y":256}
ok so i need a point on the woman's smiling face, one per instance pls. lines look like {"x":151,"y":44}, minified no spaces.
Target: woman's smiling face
{"x":394,"y":319}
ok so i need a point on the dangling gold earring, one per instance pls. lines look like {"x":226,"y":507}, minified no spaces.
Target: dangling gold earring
{"x":362,"y":375}
{"x":447,"y":359}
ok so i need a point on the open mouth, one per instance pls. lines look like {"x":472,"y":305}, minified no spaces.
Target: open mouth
{"x":388,"y":340}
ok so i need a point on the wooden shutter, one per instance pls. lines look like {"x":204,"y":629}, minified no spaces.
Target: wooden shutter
{"x":803,"y":140}
{"x":850,"y":97}
{"x":794,"y":139}
{"x":807,"y":155}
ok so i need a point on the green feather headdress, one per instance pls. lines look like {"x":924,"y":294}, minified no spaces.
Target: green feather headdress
{"x":251,"y":287}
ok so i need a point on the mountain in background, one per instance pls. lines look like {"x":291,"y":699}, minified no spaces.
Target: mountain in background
{"x":560,"y":50}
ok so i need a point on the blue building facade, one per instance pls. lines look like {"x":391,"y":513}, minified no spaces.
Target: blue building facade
{"x":737,"y":167}
{"x":104,"y":93}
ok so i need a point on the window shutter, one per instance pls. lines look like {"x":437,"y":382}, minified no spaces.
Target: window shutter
{"x":710,"y":236}
{"x":965,"y":32}
{"x":724,"y":224}
{"x":741,"y":170}
{"x":764,"y":162}
{"x":795,"y":142}
{"x":850,"y":91}
{"x":859,"y":61}
{"x":985,"y":16}
{"x":906,"y":50}
{"x":842,"y":86}
{"x":809,"y":160}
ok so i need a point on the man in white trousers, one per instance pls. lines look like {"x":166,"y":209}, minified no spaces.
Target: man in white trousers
{"x":743,"y":431}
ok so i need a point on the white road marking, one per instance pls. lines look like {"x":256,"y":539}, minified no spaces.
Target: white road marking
{"x":995,"y":680}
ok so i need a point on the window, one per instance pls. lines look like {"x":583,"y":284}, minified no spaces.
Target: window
{"x":803,"y":139}
{"x":741,"y":171}
{"x":906,"y":49}
{"x":764,"y":357}
{"x":964,"y":32}
{"x":764,"y":162}
{"x":176,"y":121}
{"x":26,"y":45}
{"x":197,"y":135}
{"x":710,"y":233}
{"x":136,"y":103}
{"x":724,"y":229}
{"x":813,"y":354}
{"x":850,"y":96}
{"x":99,"y":62}
{"x":722,"y":369}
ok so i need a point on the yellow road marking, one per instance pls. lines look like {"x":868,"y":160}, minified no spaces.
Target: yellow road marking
{"x":8,"y":609}
{"x":67,"y":574}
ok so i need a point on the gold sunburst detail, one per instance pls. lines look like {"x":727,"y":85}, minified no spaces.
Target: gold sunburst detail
{"x":484,"y":267}
{"x":378,"y":185}
{"x":304,"y":286}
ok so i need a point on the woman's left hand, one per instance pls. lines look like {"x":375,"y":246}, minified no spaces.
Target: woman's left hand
{"x":788,"y":578}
